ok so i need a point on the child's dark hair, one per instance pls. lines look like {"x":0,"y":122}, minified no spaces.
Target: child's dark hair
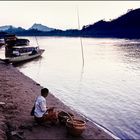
{"x":44,"y":91}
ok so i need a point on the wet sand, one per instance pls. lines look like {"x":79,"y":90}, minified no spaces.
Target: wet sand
{"x":17,"y":95}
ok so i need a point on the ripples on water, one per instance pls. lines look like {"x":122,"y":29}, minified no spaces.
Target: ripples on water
{"x":106,"y":90}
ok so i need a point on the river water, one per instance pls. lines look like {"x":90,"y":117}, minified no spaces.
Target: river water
{"x":106,"y":90}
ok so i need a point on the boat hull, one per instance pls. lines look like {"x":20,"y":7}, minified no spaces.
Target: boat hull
{"x":23,"y":58}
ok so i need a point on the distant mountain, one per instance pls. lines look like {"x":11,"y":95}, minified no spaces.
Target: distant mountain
{"x":41,"y":27}
{"x":10,"y":28}
{"x":6,"y":27}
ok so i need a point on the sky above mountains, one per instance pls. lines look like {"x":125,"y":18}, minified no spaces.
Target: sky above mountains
{"x":61,"y":14}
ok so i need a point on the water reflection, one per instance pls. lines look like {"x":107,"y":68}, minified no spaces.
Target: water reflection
{"x":131,"y":49}
{"x":130,"y":53}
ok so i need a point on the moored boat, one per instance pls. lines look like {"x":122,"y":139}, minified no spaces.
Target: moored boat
{"x":25,"y":56}
{"x":19,"y":50}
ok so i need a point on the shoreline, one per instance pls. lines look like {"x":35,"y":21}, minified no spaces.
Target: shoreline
{"x":17,"y":95}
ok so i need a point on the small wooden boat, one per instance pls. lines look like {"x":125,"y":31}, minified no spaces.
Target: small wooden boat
{"x":18,"y":50}
{"x":25,"y":56}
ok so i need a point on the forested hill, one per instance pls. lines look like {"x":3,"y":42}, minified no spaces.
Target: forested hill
{"x":125,"y":26}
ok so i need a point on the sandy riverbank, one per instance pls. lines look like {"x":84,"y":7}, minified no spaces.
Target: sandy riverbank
{"x":17,"y":94}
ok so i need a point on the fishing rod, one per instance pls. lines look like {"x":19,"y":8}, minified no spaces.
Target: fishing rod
{"x":82,"y":50}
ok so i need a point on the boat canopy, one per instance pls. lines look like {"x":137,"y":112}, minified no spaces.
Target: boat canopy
{"x":11,"y":40}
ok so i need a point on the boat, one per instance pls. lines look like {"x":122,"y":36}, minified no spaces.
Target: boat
{"x":18,"y":56}
{"x":2,"y":42}
{"x":19,"y":50}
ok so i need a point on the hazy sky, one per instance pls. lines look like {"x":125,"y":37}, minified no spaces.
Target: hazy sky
{"x":61,"y":14}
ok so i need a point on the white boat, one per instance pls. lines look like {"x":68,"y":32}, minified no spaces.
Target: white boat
{"x":18,"y":50}
{"x":18,"y":56}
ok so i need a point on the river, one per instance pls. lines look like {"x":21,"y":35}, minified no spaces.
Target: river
{"x":106,"y":90}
